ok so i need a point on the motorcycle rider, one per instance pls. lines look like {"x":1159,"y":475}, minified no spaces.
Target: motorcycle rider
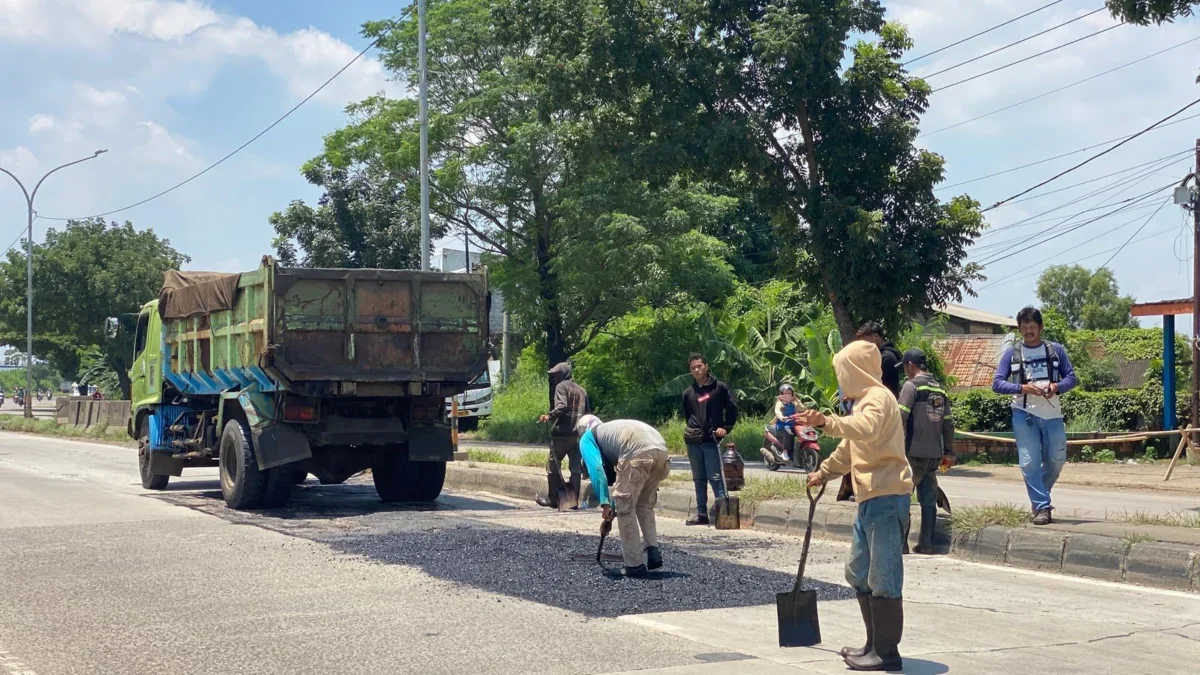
{"x":785,"y":426}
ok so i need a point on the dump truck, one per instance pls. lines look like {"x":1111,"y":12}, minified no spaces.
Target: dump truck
{"x":278,"y":373}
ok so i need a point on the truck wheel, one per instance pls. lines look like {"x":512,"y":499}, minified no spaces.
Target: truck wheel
{"x":278,"y":486}
{"x":430,"y":476}
{"x":150,"y":481}
{"x":394,"y":475}
{"x":468,"y":423}
{"x":242,"y":484}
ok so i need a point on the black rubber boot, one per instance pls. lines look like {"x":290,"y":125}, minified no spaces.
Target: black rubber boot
{"x":634,"y":572}
{"x":907,"y":529}
{"x":864,"y":605}
{"x":542,"y":501}
{"x":653,"y":557}
{"x":887,"y":617}
{"x":928,"y":524}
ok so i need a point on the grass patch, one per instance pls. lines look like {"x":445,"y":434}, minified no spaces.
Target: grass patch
{"x":1132,"y":538}
{"x":677,"y":477}
{"x":971,"y":519}
{"x":488,"y":457}
{"x":46,"y":427}
{"x":759,"y":490}
{"x":1171,"y":519}
{"x":515,"y":411}
{"x":533,"y":458}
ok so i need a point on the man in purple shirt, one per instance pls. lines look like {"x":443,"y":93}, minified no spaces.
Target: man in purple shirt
{"x":1035,"y":372}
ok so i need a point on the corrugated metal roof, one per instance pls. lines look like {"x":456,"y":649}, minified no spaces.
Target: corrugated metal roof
{"x":971,"y":359}
{"x":978,"y":316}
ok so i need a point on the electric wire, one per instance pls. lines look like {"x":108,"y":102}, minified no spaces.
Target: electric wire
{"x":1135,"y":233}
{"x":1013,"y":44}
{"x":1090,"y":159}
{"x":983,"y":32}
{"x":1023,"y":273}
{"x":1027,"y":58}
{"x":1055,"y":91}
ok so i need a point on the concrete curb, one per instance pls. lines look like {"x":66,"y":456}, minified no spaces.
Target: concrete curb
{"x":1158,"y":564}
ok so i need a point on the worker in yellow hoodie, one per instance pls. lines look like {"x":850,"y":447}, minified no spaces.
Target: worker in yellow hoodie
{"x":872,"y":452}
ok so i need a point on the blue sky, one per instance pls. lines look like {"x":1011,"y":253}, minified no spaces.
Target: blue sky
{"x":168,"y":87}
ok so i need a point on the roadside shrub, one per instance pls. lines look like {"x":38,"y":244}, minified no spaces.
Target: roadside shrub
{"x":980,"y":410}
{"x":516,"y":406}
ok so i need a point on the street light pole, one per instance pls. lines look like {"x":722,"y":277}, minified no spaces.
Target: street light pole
{"x":423,"y":95}
{"x":29,"y":197}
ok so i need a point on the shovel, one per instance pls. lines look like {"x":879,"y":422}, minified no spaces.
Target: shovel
{"x":797,"y":609}
{"x":727,"y":508}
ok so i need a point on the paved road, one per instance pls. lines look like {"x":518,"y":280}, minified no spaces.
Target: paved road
{"x":97,"y":576}
{"x":963,"y":488}
{"x":41,"y":409}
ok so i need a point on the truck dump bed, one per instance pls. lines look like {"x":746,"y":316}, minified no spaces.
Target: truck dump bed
{"x":339,"y":326}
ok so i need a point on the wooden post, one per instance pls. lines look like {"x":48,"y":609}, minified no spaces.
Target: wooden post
{"x":1184,"y":442}
{"x":454,"y":422}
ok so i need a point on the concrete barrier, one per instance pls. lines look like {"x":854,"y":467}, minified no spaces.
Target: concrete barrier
{"x":80,"y":411}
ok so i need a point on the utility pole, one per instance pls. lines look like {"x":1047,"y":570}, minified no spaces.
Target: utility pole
{"x":1196,"y":301}
{"x":423,"y":93}
{"x":466,"y":250}
{"x":29,"y":197}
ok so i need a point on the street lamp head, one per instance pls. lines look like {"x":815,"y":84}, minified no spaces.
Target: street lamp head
{"x":99,"y":152}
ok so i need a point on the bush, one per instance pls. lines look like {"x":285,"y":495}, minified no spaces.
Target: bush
{"x":517,"y":405}
{"x":981,"y":410}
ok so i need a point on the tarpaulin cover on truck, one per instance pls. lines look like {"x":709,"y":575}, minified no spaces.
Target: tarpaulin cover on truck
{"x":187,"y":294}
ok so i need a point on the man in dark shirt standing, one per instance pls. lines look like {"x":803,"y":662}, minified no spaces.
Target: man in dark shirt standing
{"x":568,"y":402}
{"x":873,"y":333}
{"x":710,"y":413}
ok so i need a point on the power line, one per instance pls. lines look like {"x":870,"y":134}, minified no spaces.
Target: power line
{"x":243,"y":146}
{"x":1136,"y":232}
{"x":1012,"y":277}
{"x":1027,"y":58}
{"x":983,"y":32}
{"x":1092,"y":158}
{"x":1107,"y":175}
{"x":1055,"y":91}
{"x":1013,"y":44}
{"x":1065,"y":154}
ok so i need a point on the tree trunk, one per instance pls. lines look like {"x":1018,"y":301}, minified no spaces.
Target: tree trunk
{"x":841,"y":313}
{"x":552,"y":323}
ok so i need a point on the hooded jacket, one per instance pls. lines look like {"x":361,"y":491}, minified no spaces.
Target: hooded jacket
{"x":889,"y":358}
{"x":568,"y":401}
{"x":872,"y":449}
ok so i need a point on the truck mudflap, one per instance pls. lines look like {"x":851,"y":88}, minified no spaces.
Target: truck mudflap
{"x":430,"y":444}
{"x":274,"y":444}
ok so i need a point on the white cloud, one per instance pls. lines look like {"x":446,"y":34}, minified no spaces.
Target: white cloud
{"x":40,"y":122}
{"x":160,"y":146}
{"x":98,"y":98}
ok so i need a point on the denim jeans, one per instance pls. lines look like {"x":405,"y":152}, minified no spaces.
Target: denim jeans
{"x":1042,"y":450}
{"x":876,"y":563}
{"x":705,"y":459}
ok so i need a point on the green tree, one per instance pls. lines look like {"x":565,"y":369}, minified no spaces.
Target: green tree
{"x":1103,"y":306}
{"x":1063,"y":288}
{"x":362,"y":220}
{"x":764,"y":92}
{"x":82,"y":274}
{"x":1145,"y":12}
{"x":572,"y":239}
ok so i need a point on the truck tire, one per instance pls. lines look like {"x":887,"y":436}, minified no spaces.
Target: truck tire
{"x":278,"y":486}
{"x":468,"y":423}
{"x":150,"y":481}
{"x":394,"y":475}
{"x":242,"y":484}
{"x":430,"y":476}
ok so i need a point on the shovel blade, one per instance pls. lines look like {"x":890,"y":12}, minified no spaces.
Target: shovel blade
{"x":564,"y":500}
{"x":797,"y":614}
{"x":726,"y":513}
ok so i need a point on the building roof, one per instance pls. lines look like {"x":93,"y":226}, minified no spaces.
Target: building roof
{"x":1131,"y":374}
{"x":975,"y":315}
{"x":1162,"y":307}
{"x":971,"y":359}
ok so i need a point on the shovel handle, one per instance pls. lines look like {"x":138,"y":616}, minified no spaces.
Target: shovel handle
{"x":812,"y":510}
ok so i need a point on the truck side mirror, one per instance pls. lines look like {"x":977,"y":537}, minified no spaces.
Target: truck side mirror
{"x":111,"y":325}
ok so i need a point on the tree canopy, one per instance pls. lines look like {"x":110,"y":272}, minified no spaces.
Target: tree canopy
{"x":1145,"y":12}
{"x":766,"y":93}
{"x":83,"y":273}
{"x":1085,"y":300}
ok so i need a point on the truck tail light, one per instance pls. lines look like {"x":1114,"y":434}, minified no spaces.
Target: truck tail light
{"x":299,"y":411}
{"x":427,"y":411}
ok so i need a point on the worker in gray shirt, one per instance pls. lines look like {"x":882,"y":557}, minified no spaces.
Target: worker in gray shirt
{"x":928,"y":438}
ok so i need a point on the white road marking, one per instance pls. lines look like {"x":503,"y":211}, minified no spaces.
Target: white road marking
{"x":11,"y":665}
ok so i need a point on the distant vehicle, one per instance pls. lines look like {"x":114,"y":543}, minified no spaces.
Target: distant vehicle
{"x":475,"y":403}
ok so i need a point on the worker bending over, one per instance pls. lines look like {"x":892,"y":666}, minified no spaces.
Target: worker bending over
{"x":632,"y":457}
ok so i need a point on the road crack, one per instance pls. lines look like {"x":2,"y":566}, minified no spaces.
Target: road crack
{"x":1168,"y":630}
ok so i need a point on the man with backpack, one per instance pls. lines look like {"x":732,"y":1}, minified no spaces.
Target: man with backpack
{"x":1035,"y":373}
{"x":928,"y":439}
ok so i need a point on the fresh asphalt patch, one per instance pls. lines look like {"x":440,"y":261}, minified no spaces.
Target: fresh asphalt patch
{"x":472,"y":542}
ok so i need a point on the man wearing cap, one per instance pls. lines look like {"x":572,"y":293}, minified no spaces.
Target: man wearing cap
{"x":631,"y":456}
{"x":928,"y":438}
{"x":568,"y":403}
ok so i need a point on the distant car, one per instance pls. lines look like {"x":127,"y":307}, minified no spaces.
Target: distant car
{"x":476,"y":402}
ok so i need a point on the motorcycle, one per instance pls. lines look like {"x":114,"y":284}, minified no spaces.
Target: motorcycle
{"x":805,"y":451}
{"x":19,"y":400}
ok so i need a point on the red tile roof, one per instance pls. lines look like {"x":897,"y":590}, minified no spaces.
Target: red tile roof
{"x":971,"y":359}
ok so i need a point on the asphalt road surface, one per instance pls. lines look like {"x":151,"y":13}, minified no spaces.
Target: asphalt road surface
{"x":98,"y":576}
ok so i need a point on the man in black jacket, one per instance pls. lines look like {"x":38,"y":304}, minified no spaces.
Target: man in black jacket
{"x":568,"y":402}
{"x":873,"y":333}
{"x":710,"y":413}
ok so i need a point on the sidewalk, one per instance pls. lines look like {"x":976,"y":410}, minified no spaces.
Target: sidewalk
{"x":1085,"y":491}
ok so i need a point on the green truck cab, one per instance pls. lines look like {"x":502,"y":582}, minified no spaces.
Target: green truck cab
{"x":278,"y":373}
